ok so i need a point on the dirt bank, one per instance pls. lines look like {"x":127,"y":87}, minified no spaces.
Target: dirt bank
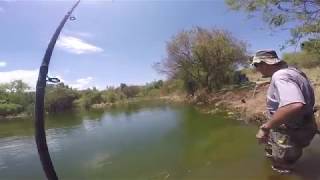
{"x":247,"y":102}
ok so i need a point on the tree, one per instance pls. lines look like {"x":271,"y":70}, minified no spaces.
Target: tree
{"x":157,"y":84}
{"x":89,"y":97}
{"x":122,"y":86}
{"x":18,"y":86}
{"x":59,"y":98}
{"x":3,"y":93}
{"x":14,"y":99}
{"x":202,"y":58}
{"x":302,"y":17}
{"x":131,"y":91}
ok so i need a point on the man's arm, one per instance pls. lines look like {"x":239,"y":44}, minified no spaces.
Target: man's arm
{"x":291,"y":103}
{"x":284,"y":113}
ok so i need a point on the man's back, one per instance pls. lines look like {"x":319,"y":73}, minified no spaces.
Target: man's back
{"x":289,"y":85}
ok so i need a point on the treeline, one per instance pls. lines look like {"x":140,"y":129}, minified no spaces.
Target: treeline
{"x":123,"y":93}
{"x":15,"y":97}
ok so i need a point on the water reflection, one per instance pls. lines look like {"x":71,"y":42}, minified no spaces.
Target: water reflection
{"x":143,"y":141}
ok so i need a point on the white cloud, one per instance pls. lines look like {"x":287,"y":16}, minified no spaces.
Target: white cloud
{"x":78,"y":34}
{"x":31,"y":76}
{"x":3,"y":64}
{"x":82,"y":83}
{"x":28,"y":76}
{"x":76,"y":45}
{"x":84,"y":34}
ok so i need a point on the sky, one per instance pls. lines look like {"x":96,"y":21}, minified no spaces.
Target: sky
{"x":112,"y":42}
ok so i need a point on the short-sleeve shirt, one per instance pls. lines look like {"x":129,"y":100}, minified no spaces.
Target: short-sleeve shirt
{"x":290,"y":85}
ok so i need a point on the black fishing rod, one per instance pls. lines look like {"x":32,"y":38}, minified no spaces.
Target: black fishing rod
{"x":40,"y":134}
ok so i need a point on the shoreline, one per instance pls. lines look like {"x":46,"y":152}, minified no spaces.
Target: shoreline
{"x":243,"y":102}
{"x":13,"y":117}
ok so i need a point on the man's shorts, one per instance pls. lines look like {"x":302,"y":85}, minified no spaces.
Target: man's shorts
{"x":286,"y":145}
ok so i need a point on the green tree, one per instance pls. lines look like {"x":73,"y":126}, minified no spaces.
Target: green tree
{"x":18,"y":86}
{"x":122,"y":86}
{"x":157,"y":84}
{"x":90,"y":97}
{"x":202,"y":58}
{"x":130,"y":91}
{"x":14,"y":98}
{"x":59,"y":98}
{"x":10,"y":109}
{"x":302,"y":17}
{"x":3,"y":94}
{"x":112,"y":95}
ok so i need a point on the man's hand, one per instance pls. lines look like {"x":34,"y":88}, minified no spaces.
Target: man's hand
{"x":262,"y":135}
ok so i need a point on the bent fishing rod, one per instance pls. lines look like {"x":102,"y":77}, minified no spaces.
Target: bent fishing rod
{"x":40,"y":134}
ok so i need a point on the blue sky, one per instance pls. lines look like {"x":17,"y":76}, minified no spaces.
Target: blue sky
{"x":111,"y":42}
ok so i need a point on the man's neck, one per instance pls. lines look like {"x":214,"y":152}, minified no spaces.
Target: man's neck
{"x":278,"y":67}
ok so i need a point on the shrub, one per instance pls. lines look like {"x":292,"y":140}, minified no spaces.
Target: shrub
{"x":302,"y":59}
{"x":173,"y":86}
{"x":59,"y":98}
{"x":10,"y":109}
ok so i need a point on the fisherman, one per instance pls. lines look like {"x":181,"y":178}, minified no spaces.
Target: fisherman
{"x":290,"y":101}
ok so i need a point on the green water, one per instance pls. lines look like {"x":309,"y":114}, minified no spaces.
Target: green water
{"x":144,"y":141}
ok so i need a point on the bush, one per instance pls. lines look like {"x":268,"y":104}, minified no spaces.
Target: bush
{"x":111,"y":96}
{"x":173,"y":86}
{"x":153,"y":93}
{"x":10,"y":109}
{"x":89,"y":98}
{"x":59,"y":98}
{"x":302,"y":59}
{"x":131,"y":91}
{"x":22,"y":98}
{"x":29,"y":109}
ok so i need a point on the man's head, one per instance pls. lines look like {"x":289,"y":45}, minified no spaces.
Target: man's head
{"x":266,"y":62}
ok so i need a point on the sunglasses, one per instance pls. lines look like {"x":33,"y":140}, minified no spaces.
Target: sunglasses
{"x":256,"y":64}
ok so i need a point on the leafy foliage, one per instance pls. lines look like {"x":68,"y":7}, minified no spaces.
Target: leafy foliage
{"x":172,"y":86}
{"x":302,"y":59}
{"x":152,"y":89}
{"x":10,"y":109}
{"x":59,"y":98}
{"x":302,"y":17}
{"x":89,"y":97}
{"x":129,"y":91}
{"x":14,"y":98}
{"x":17,"y":86}
{"x":202,"y":58}
{"x":311,"y":46}
{"x":112,"y":95}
